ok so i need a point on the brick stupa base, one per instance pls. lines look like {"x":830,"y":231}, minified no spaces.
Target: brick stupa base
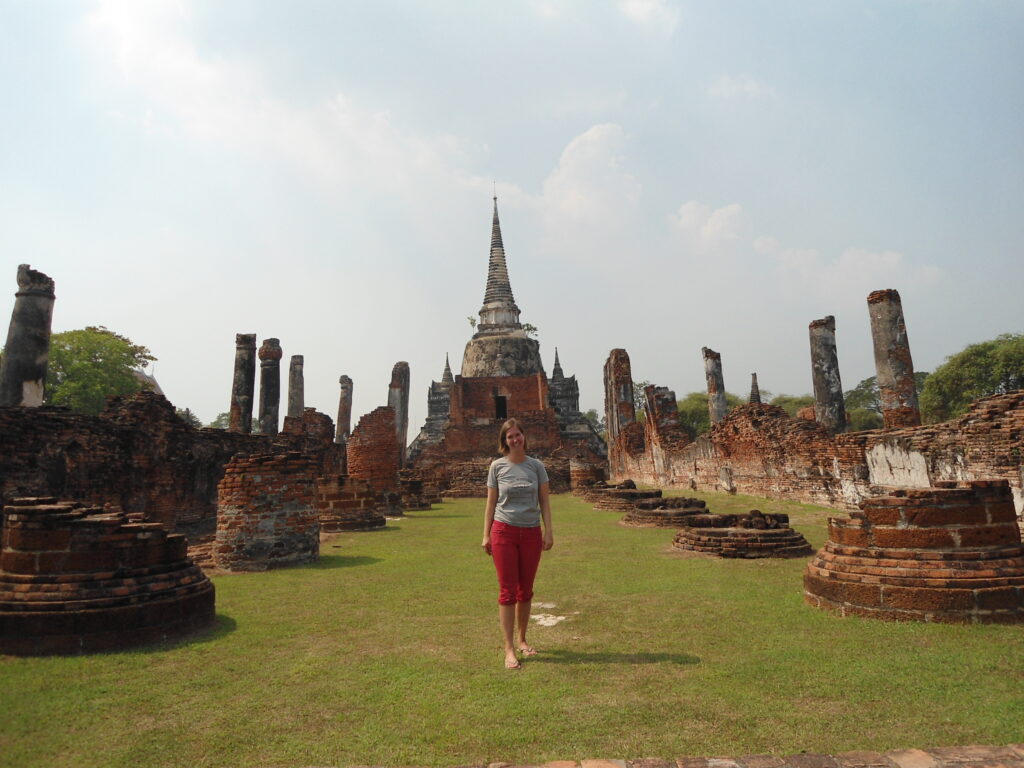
{"x":670,"y":512}
{"x":77,"y":579}
{"x":951,"y":553}
{"x":752,"y":535}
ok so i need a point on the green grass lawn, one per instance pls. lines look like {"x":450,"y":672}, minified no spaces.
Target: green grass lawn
{"x":387,"y":652}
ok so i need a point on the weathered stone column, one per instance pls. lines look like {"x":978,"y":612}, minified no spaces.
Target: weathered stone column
{"x":619,"y":410}
{"x":270,"y":385}
{"x":23,"y":372}
{"x":755,"y":391}
{"x":829,"y":406}
{"x":717,"y":407}
{"x":893,"y":365}
{"x":398,"y":398}
{"x":344,"y":410}
{"x":296,"y":387}
{"x":243,"y":385}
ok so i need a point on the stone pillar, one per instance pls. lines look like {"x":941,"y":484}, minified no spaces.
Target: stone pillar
{"x":23,"y":371}
{"x":619,"y":410}
{"x":829,"y":406}
{"x":270,"y":385}
{"x":296,"y":387}
{"x":755,"y":392}
{"x":398,"y":398}
{"x":893,"y":366}
{"x":344,"y":410}
{"x":717,"y":407}
{"x":243,"y":385}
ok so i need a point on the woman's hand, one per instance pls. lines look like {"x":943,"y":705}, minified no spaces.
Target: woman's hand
{"x":549,"y":540}
{"x":486,"y":544}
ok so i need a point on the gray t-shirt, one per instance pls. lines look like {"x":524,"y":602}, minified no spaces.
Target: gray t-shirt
{"x":518,"y":486}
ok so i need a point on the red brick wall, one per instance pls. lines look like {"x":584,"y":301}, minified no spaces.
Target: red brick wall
{"x":474,"y":398}
{"x":266,"y":513}
{"x":137,"y":455}
{"x":373,"y":450}
{"x":758,"y":449}
{"x":348,"y":504}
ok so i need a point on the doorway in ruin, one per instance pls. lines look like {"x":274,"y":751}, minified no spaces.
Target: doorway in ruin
{"x":500,"y":407}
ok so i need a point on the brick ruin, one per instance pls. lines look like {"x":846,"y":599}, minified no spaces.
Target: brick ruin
{"x":373,"y":458}
{"x":267,"y":512}
{"x":502,"y":376}
{"x":76,"y":578}
{"x":950,"y":554}
{"x":750,"y":535}
{"x":758,"y":449}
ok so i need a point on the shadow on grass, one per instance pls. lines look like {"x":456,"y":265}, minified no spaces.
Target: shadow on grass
{"x":222,"y":626}
{"x":609,"y":657}
{"x":328,"y":562}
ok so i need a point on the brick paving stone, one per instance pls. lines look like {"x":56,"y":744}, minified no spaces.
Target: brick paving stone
{"x":651,"y":762}
{"x":811,"y":760}
{"x":862,"y":759}
{"x":722,"y":762}
{"x":691,"y":762}
{"x":912,"y":758}
{"x":1018,"y":748}
{"x":974,"y":753}
{"x":561,"y":764}
{"x":761,"y":761}
{"x":603,"y":764}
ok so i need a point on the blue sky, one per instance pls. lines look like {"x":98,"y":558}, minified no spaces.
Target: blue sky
{"x":670,"y":175}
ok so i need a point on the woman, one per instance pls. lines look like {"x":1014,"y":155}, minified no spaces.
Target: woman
{"x":517,"y":502}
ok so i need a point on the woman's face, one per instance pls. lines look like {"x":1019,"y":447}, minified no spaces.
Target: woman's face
{"x":514,"y":438}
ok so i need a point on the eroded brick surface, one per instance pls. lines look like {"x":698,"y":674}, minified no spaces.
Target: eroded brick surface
{"x":121,"y":582}
{"x":911,"y":555}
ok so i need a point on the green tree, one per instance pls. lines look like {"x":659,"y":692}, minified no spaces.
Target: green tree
{"x":186,"y":415}
{"x":987,"y":368}
{"x":693,"y":411}
{"x":866,"y":396}
{"x":530,"y":329}
{"x":792,"y":403}
{"x":89,"y":365}
{"x":596,"y":421}
{"x":223,"y":421}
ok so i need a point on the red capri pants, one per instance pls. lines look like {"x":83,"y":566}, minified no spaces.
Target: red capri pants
{"x":516,"y":553}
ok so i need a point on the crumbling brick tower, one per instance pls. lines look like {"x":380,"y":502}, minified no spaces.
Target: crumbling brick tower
{"x":502,"y":376}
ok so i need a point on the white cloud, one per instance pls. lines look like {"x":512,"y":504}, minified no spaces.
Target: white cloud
{"x":655,"y":14}
{"x":589,"y":184}
{"x":732,"y":87}
{"x":706,"y":228}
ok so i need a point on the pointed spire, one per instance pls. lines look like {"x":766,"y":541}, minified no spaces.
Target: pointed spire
{"x":499,"y":311}
{"x":447,"y":378}
{"x":556,"y":371}
{"x":755,"y":391}
{"x":498,"y":287}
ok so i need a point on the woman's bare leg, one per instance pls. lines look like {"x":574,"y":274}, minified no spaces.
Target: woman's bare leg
{"x":522,"y":622}
{"x":507,"y":618}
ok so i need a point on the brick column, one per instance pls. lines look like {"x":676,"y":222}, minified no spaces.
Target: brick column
{"x":893,"y":365}
{"x":619,"y":410}
{"x":398,"y":399}
{"x":243,"y":385}
{"x":829,"y":406}
{"x":344,"y":410}
{"x":717,"y":407}
{"x":270,"y":385}
{"x":296,"y":387}
{"x":23,"y":372}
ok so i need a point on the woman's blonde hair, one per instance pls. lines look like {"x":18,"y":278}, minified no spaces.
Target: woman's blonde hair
{"x":502,"y":442}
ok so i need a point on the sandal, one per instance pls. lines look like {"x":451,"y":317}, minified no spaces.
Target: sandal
{"x":513,"y":664}
{"x":528,"y":651}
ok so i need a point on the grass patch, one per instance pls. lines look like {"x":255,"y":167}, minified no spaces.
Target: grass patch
{"x":387,"y":652}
